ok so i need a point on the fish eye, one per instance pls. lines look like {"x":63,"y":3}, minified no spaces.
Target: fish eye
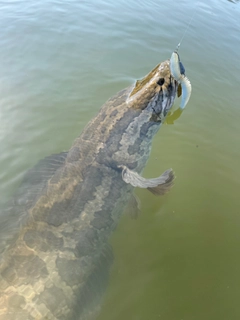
{"x":161,"y":81}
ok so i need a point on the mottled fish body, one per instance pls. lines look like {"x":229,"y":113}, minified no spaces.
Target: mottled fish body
{"x":56,"y":265}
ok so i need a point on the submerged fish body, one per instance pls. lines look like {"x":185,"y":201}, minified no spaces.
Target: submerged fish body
{"x":56,"y":265}
{"x":178,"y":72}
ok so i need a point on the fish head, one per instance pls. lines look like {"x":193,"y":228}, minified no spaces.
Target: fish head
{"x":155,"y":93}
{"x":133,"y":117}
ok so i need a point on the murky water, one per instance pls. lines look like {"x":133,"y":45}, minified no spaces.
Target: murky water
{"x":59,"y":62}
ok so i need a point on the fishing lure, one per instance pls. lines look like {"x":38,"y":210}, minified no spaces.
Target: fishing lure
{"x":178,"y":72}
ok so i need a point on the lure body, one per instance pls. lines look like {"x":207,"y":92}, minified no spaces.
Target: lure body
{"x":178,"y":72}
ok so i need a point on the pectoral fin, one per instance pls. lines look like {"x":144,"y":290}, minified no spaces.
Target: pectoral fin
{"x":158,"y":186}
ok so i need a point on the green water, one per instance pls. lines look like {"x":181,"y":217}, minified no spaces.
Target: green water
{"x":60,"y":61}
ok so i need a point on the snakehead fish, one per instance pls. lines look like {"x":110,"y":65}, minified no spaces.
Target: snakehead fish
{"x":55,"y":264}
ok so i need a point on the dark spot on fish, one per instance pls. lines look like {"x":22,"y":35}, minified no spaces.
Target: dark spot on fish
{"x":136,"y":147}
{"x":131,"y":165}
{"x":30,"y":268}
{"x":103,"y":129}
{"x":85,"y":242}
{"x":144,"y":129}
{"x":70,"y":271}
{"x":55,"y":215}
{"x":155,"y":118}
{"x":112,"y":164}
{"x":9,"y":274}
{"x":102,"y":220}
{"x":52,"y":298}
{"x":32,"y":239}
{"x":16,"y":301}
{"x":114,"y":113}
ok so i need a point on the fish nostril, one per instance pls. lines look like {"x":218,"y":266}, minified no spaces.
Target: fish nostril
{"x":161,"y":81}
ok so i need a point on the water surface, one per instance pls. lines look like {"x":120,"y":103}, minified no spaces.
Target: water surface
{"x":60,"y":61}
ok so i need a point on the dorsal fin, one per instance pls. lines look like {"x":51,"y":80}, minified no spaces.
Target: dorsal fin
{"x":44,"y":169}
{"x":29,"y":190}
{"x":36,"y":178}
